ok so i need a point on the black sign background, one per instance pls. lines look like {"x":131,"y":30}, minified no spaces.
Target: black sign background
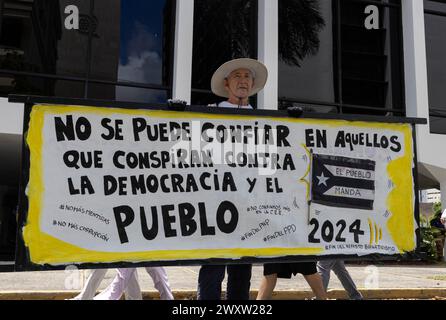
{"x":319,"y":167}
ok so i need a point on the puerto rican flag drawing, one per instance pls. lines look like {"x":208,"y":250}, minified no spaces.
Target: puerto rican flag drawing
{"x":343,"y":182}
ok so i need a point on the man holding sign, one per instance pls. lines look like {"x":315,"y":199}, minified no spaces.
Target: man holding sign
{"x":235,"y":80}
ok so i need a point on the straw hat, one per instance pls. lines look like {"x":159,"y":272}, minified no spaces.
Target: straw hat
{"x":258,"y":70}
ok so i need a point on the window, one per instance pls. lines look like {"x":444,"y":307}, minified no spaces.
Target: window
{"x":32,"y":84}
{"x":11,"y":147}
{"x":8,"y":226}
{"x":132,"y":43}
{"x":435,"y":21}
{"x":306,"y":56}
{"x":330,"y":62}
{"x":122,"y":50}
{"x":371,"y":63}
{"x":223,"y":30}
{"x":33,"y":39}
{"x":131,"y":93}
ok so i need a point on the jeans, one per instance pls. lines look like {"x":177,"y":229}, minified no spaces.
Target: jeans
{"x":211,"y":277}
{"x":325,"y":266}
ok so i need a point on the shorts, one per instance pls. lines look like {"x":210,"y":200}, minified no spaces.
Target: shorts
{"x":286,"y":270}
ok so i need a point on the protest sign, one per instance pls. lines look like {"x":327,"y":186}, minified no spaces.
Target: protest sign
{"x":113,"y":185}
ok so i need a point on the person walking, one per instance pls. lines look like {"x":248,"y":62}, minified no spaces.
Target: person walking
{"x":272,"y":271}
{"x":324,"y":268}
{"x":132,"y":292}
{"x":124,"y":282}
{"x":124,"y":279}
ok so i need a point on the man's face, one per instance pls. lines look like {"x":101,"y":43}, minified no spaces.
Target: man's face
{"x":239,"y":84}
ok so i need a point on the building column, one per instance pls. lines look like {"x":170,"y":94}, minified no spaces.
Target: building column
{"x":415,"y":63}
{"x":415,"y":70}
{"x":182,"y":64}
{"x":268,"y":51}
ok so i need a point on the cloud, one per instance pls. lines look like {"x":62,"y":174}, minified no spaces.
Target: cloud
{"x":144,"y":68}
{"x":143,"y":64}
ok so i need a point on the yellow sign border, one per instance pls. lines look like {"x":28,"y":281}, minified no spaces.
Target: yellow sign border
{"x":46,"y":249}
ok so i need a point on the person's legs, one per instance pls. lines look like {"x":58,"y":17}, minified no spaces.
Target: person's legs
{"x":133,"y":290}
{"x":315,"y":282}
{"x":115,"y":290}
{"x":324,"y":268}
{"x":161,"y":282}
{"x":239,"y":281}
{"x":346,"y":280}
{"x":210,"y":278}
{"x":92,"y":284}
{"x":267,"y":287}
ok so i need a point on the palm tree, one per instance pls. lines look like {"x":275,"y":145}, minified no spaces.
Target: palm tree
{"x":227,"y":29}
{"x":222,"y":31}
{"x":299,"y":26}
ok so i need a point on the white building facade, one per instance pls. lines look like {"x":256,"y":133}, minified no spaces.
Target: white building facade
{"x":161,"y":49}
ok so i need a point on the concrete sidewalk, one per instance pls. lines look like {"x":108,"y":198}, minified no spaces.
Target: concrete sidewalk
{"x":374,"y":281}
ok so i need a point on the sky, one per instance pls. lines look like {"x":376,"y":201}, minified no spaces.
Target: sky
{"x":141,"y":48}
{"x":137,"y":14}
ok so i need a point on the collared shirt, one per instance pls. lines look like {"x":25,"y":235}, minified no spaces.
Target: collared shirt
{"x":226,"y":104}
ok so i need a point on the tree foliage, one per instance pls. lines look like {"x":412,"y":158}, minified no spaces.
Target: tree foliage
{"x":299,"y":27}
{"x":226,"y":29}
